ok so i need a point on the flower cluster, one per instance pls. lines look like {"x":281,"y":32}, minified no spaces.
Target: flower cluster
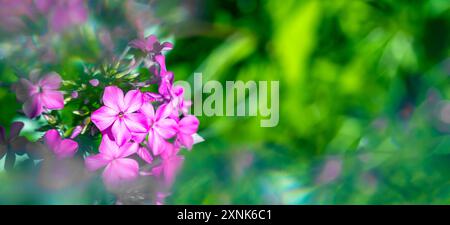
{"x":141,"y":130}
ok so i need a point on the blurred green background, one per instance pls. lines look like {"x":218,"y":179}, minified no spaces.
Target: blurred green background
{"x":364,"y":96}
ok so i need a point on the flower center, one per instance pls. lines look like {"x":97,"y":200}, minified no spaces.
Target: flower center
{"x":120,"y":114}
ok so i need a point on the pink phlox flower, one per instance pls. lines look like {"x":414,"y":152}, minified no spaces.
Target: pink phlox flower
{"x":40,"y":94}
{"x":159,"y":127}
{"x":61,"y":148}
{"x":118,"y":168}
{"x":119,"y":114}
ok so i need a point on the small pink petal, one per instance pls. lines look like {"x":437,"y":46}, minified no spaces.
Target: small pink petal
{"x":186,"y":139}
{"x":157,"y":143}
{"x":66,"y":149}
{"x":167,"y":128}
{"x":188,"y":125}
{"x":33,"y":106}
{"x":76,"y":131}
{"x":148,"y":110}
{"x":120,"y":132}
{"x":132,"y":101}
{"x":103,"y":117}
{"x":25,"y":89}
{"x":135,"y":122}
{"x":145,"y":155}
{"x":96,"y":162}
{"x":51,"y":81}
{"x":16,"y":127}
{"x":113,"y":98}
{"x":163,"y":111}
{"x":167,"y":46}
{"x":52,"y":139}
{"x":128,"y":149}
{"x":52,"y":99}
{"x":108,"y":147}
{"x":120,"y":170}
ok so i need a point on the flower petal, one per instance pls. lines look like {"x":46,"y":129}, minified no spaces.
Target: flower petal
{"x":32,"y":107}
{"x":120,"y":132}
{"x":148,"y":110}
{"x":24,"y":89}
{"x":95,"y":162}
{"x":163,"y":111}
{"x":186,"y":139}
{"x":51,"y":81}
{"x":103,"y":117}
{"x":167,"y":46}
{"x":52,"y":99}
{"x":52,"y":139}
{"x":16,"y":127}
{"x":132,"y":101}
{"x":157,"y":143}
{"x":66,"y":149}
{"x":128,"y":149}
{"x":161,"y":60}
{"x":136,"y":122}
{"x":188,"y":125}
{"x":113,"y":98}
{"x":167,"y":128}
{"x":108,"y":147}
{"x":145,"y":155}
{"x":120,"y":170}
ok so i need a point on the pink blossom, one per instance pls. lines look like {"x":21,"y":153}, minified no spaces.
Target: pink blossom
{"x":187,"y":127}
{"x":61,"y":148}
{"x":119,"y":114}
{"x":159,"y":127}
{"x":39,"y":95}
{"x":113,"y":157}
{"x":151,"y":45}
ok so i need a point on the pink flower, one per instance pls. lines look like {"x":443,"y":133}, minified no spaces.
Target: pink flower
{"x":118,"y":167}
{"x":40,"y":94}
{"x":61,"y":148}
{"x":151,"y":45}
{"x":159,"y":127}
{"x":187,"y":127}
{"x":119,"y":114}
